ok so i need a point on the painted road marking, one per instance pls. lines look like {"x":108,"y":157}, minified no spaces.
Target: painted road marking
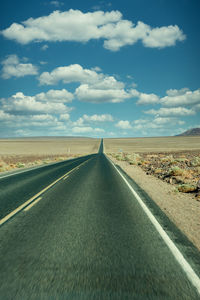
{"x":32,"y":204}
{"x":22,"y":206}
{"x":192,"y":276}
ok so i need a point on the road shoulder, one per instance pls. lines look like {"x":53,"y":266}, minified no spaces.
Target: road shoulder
{"x":181,"y":209}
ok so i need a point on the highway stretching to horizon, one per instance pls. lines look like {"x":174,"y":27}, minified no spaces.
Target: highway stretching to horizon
{"x":82,"y":229}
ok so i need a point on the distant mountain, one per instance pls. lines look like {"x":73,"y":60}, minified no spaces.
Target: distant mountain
{"x":190,"y":132}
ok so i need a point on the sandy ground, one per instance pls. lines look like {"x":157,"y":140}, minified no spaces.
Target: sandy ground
{"x":48,"y":146}
{"x":29,"y":152}
{"x":156,"y":144}
{"x":181,"y":208}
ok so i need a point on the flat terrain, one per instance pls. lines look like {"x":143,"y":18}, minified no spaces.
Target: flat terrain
{"x":87,"y":237}
{"x":48,"y":146}
{"x":29,"y":152}
{"x":157,"y":144}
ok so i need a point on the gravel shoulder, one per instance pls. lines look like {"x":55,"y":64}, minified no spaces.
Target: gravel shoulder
{"x":181,"y":208}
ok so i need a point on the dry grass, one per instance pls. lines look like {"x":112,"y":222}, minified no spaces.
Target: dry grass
{"x":20,"y":153}
{"x":177,"y":168}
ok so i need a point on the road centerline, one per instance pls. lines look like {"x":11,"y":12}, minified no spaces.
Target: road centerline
{"x":25,"y":204}
{"x":32,"y":204}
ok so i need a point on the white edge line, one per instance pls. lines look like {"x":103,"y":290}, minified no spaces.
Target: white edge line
{"x":32,"y":204}
{"x":22,"y":206}
{"x":192,"y":276}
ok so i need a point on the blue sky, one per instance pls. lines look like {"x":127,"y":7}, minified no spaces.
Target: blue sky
{"x":99,"y":68}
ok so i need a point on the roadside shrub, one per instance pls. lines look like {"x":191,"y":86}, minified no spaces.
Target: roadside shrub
{"x":176,"y":171}
{"x":195,"y":162}
{"x":20,"y":165}
{"x":187,"y":188}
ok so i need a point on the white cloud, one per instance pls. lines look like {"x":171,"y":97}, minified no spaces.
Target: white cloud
{"x":68,"y":74}
{"x":95,"y":87}
{"x":87,"y":129}
{"x":64,"y":117}
{"x":183,"y":97}
{"x":76,"y":73}
{"x":85,"y":119}
{"x":163,"y":37}
{"x":88,"y":94}
{"x":143,"y":98}
{"x":5,"y":116}
{"x":98,"y":118}
{"x":74,"y":25}
{"x":148,"y":99}
{"x":42,"y":118}
{"x":158,"y":123}
{"x":13,"y":68}
{"x":22,"y":104}
{"x":123,"y":125}
{"x":172,"y":111}
{"x":60,"y":96}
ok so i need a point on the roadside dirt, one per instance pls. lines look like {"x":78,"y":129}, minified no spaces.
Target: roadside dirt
{"x":182,"y":208}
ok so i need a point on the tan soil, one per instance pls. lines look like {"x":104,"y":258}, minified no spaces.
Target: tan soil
{"x":29,"y":152}
{"x":181,"y":208}
{"x":152,"y":144}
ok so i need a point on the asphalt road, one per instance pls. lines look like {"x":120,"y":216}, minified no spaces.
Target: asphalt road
{"x":88,"y":238}
{"x":16,"y":188}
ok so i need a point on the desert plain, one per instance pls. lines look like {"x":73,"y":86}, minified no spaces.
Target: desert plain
{"x":28,"y":152}
{"x":167,"y":168}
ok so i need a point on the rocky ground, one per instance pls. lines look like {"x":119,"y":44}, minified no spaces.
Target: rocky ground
{"x":155,"y":173}
{"x":180,"y":169}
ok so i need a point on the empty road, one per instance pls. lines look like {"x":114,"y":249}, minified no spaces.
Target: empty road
{"x":86,"y":236}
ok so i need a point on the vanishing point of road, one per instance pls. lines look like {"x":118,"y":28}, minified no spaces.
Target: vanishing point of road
{"x":78,"y":230}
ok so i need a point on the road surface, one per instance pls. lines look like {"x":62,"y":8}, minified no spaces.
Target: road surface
{"x":86,"y":237}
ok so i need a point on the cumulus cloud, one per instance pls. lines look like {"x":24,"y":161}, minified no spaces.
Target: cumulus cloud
{"x":12,"y":67}
{"x":87,"y":129}
{"x":145,"y":99}
{"x":5,"y":116}
{"x":123,"y":125}
{"x":98,"y":118}
{"x":87,"y":93}
{"x":64,"y":117}
{"x":163,"y":37}
{"x":172,"y":111}
{"x":74,"y":25}
{"x":22,"y":104}
{"x":158,"y":123}
{"x":76,"y":73}
{"x":85,"y":119}
{"x":183,"y":97}
{"x":60,"y":96}
{"x":95,"y":87}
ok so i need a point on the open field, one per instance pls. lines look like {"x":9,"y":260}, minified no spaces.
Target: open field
{"x":48,"y":146}
{"x":156,"y":144}
{"x":28,"y":152}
